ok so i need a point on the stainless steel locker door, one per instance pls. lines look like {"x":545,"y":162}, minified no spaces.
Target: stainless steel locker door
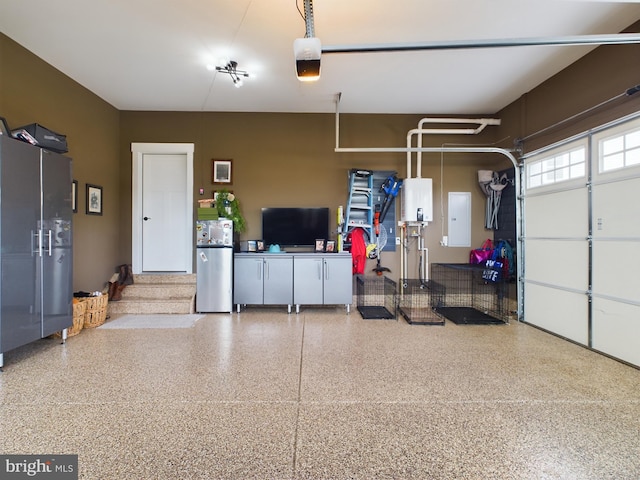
{"x":20,"y":210}
{"x":57,"y":255}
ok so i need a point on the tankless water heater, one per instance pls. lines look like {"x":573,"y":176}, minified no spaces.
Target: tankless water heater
{"x":416,"y":200}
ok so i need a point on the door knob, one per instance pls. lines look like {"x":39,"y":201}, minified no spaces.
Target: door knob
{"x":146,"y":218}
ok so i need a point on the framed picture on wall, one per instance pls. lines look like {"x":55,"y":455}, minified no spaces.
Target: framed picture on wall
{"x":94,"y":199}
{"x":74,"y":196}
{"x":222,"y":171}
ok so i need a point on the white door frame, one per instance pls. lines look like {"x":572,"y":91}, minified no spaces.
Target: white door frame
{"x":138,"y":150}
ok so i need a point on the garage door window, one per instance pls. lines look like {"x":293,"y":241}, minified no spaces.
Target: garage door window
{"x":620,"y":151}
{"x":558,"y":167}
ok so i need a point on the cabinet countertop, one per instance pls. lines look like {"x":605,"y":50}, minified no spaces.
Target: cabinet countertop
{"x":293,"y":254}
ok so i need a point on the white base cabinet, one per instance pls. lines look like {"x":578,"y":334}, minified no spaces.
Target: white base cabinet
{"x":322,"y":280}
{"x":292,"y":278}
{"x":263,"y":280}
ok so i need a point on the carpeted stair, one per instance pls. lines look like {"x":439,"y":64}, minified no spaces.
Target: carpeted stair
{"x":157,"y":293}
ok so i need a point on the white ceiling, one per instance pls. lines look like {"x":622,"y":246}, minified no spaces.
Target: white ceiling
{"x":152,"y":54}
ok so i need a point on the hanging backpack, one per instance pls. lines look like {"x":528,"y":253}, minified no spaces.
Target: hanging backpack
{"x":504,"y":253}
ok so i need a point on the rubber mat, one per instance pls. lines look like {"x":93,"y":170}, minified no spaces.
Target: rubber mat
{"x":375,"y":312}
{"x":467,"y":316}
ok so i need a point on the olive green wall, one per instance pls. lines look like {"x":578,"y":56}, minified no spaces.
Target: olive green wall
{"x":32,"y":91}
{"x":282,"y":159}
{"x":287,"y":159}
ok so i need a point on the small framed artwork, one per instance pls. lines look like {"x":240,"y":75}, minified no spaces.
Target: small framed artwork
{"x":222,"y":171}
{"x":260,"y":245}
{"x":94,"y":199}
{"x":320,"y":245}
{"x":331,"y":246}
{"x":4,"y":127}
{"x":252,"y":246}
{"x":74,"y":196}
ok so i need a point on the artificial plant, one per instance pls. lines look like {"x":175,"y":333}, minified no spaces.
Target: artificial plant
{"x":228,"y":207}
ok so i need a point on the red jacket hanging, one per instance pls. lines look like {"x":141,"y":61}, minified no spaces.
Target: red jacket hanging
{"x":358,"y":250}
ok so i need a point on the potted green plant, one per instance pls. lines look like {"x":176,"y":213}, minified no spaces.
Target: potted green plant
{"x":228,"y":206}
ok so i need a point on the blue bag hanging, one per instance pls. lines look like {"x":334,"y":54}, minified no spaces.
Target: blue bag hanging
{"x":494,"y":267}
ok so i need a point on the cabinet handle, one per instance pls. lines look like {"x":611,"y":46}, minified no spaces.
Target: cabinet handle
{"x":320,"y":270}
{"x":35,"y":243}
{"x":326,"y":271}
{"x":50,"y":242}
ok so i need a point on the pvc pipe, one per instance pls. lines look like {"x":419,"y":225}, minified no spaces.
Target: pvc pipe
{"x":481,"y":122}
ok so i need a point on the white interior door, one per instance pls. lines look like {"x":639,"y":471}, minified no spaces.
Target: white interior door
{"x":162,"y":208}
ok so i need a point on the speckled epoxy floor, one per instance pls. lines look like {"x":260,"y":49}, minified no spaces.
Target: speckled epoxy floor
{"x":323,"y":395}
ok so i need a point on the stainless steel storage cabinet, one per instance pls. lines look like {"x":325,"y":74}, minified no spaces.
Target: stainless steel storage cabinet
{"x":36,"y":290}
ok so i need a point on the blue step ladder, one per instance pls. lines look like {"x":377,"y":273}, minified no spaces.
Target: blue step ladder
{"x":359,"y":212}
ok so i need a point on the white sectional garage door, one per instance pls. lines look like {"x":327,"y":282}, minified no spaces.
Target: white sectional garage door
{"x":581,"y":217}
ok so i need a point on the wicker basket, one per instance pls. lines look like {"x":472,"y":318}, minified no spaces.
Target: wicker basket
{"x":78,"y":320}
{"x":96,"y":311}
{"x":79,"y":310}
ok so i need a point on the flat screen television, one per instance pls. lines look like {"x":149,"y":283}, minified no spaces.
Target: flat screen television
{"x":294,"y":227}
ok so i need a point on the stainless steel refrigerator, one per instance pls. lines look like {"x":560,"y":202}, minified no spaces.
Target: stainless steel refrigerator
{"x":36,"y":290}
{"x":214,"y":270}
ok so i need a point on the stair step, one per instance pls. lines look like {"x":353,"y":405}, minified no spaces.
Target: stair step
{"x":145,"y":306}
{"x":159,"y":291}
{"x":155,"y":278}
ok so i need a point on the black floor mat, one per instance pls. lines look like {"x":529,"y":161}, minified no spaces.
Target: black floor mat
{"x":467,"y":316}
{"x":375,"y":312}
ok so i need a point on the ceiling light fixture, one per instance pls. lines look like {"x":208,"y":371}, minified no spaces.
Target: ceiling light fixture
{"x":231,"y":68}
{"x":307,"y":50}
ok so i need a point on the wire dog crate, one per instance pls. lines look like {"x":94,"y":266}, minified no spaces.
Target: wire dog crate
{"x":376,"y":297}
{"x":417,"y":301}
{"x":468,"y":298}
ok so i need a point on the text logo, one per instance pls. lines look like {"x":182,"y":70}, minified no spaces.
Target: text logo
{"x":50,"y":467}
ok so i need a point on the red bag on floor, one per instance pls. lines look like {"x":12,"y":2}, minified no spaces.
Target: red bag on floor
{"x":480,"y":255}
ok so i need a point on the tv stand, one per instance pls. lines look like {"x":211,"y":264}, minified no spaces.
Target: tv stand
{"x":292,"y":279}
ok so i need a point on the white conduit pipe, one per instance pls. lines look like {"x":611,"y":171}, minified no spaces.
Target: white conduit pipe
{"x":481,"y":122}
{"x":435,"y":131}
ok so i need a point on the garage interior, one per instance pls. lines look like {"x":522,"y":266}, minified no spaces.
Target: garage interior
{"x":324,"y":393}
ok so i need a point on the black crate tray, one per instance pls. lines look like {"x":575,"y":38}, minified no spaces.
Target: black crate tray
{"x":468,"y":316}
{"x":375,"y":312}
